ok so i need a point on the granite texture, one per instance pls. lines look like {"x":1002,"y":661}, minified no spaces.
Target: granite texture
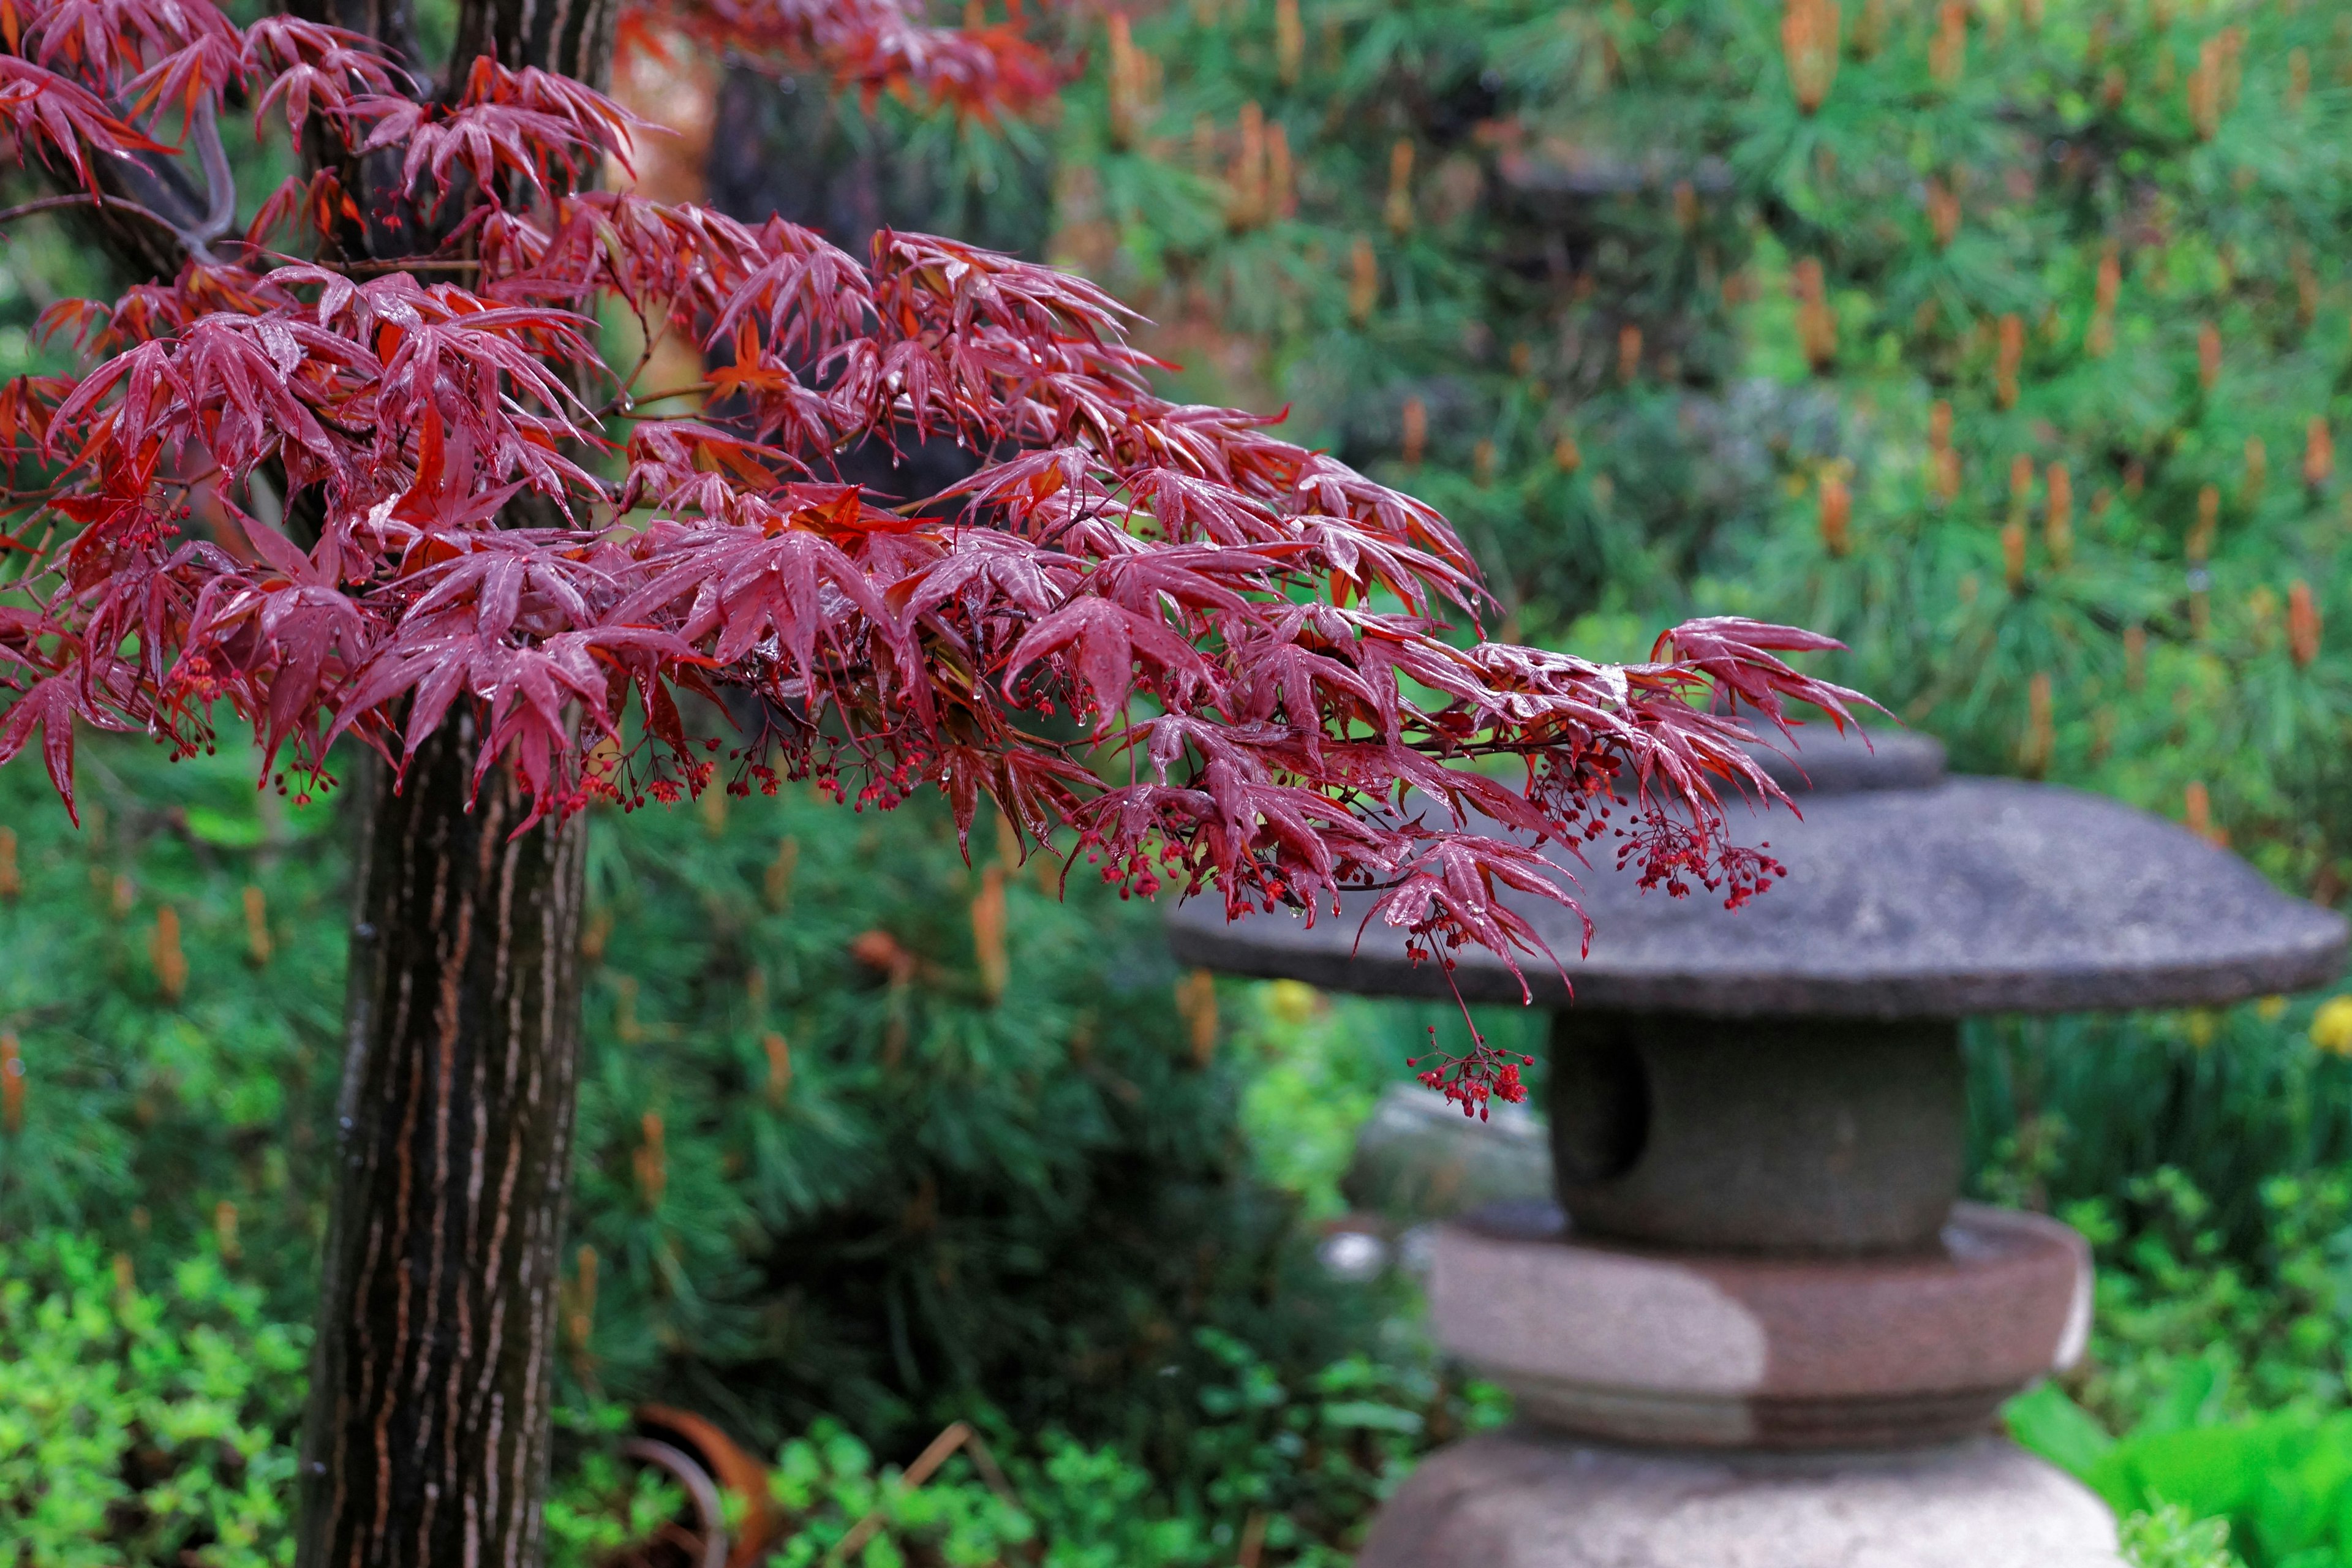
{"x":1820,"y":1136}
{"x":1908,"y":895}
{"x":1712,"y":1349}
{"x":1519,"y":1499}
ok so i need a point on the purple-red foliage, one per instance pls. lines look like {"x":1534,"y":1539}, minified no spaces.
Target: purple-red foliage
{"x":1215,"y":658}
{"x":875,"y":45}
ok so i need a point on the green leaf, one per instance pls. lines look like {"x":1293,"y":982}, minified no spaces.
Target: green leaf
{"x":2045,"y":1421}
{"x":1372,"y":1417}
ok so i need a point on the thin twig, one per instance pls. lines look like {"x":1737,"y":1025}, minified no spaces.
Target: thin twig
{"x":220,"y":181}
{"x":697,"y":390}
{"x":414,"y":264}
{"x":89,"y":199}
{"x":1252,"y":1539}
{"x":926,"y":1464}
{"x":645,"y":355}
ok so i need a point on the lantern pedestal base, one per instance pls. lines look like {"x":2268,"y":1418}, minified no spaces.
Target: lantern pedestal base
{"x":1712,"y":1349}
{"x":1526,"y":1499}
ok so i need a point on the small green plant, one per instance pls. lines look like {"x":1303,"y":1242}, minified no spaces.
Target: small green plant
{"x":142,"y":1424}
{"x":841,"y":1500}
{"x":2221,"y":1360}
{"x":2198,"y":1496}
{"x":2170,"y":1537}
{"x":2187,"y":1333}
{"x":1296,"y":1468}
{"x":2277,"y":1485}
{"x":2225,"y":1372}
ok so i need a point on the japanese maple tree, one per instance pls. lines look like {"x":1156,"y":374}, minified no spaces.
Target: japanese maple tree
{"x":360,"y":467}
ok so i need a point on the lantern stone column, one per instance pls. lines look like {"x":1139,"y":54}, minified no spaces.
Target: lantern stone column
{"x":1759,"y":1330}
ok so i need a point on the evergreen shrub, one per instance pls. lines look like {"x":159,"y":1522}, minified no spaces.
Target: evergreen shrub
{"x":868,"y":1135}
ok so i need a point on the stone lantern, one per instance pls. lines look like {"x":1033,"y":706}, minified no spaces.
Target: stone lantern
{"x":1764,"y":1333}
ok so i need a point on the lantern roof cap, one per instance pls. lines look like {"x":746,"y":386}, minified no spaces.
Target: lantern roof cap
{"x":1909,"y":893}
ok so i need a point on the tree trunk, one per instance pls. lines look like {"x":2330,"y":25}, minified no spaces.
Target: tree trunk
{"x":425,"y":1443}
{"x":432,"y":1377}
{"x":432,"y":1380}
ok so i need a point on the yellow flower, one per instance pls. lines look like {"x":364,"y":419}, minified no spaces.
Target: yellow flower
{"x":2331,"y":1026}
{"x":2270,"y":1009}
{"x":1294,"y":1002}
{"x":2198,"y":1020}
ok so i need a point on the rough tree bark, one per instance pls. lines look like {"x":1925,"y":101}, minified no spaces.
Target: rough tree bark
{"x":432,"y":1382}
{"x":433,"y":1377}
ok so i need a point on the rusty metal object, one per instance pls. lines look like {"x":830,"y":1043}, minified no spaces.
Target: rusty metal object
{"x":735,"y":1470}
{"x":701,"y":1491}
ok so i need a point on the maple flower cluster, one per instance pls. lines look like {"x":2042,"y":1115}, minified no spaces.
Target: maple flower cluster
{"x":1475,"y":1079}
{"x":366,"y":461}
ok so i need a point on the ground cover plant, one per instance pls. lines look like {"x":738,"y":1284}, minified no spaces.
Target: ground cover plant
{"x":153,"y":1422}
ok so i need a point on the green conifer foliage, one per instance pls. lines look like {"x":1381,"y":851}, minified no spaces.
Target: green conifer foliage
{"x":2009,"y":340}
{"x":866,"y":1131}
{"x":171,"y":989}
{"x":870,"y":1129}
{"x":1425,"y":227}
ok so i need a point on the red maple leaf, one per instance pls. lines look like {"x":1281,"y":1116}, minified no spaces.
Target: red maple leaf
{"x":1195,"y":590}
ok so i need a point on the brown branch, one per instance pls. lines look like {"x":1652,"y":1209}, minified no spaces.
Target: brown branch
{"x":930,"y":1460}
{"x":698,"y":389}
{"x":408,"y":264}
{"x":89,"y":199}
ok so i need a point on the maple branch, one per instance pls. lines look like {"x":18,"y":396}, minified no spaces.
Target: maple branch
{"x":220,"y":181}
{"x":1112,"y":549}
{"x":160,"y":185}
{"x":402,"y":264}
{"x":87,"y":199}
{"x":627,"y":406}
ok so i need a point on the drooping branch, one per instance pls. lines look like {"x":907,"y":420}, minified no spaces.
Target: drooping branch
{"x":220,"y":181}
{"x":150,"y":220}
{"x":85,"y":199}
